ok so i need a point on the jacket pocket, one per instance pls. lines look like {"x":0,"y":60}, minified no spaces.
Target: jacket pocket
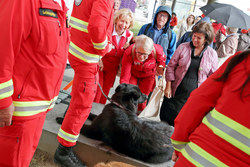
{"x":50,"y":31}
{"x":24,"y":86}
{"x":9,"y":155}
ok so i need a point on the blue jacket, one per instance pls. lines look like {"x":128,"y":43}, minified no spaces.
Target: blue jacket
{"x":169,"y":47}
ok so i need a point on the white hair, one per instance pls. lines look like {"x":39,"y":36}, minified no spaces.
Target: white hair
{"x":232,"y":29}
{"x":144,"y":42}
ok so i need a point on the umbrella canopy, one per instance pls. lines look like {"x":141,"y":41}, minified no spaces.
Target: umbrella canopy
{"x":227,"y":15}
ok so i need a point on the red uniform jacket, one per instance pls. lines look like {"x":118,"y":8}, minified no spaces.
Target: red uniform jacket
{"x":131,"y":66}
{"x":223,"y":133}
{"x":112,"y":59}
{"x":91,"y":29}
{"x":33,"y":47}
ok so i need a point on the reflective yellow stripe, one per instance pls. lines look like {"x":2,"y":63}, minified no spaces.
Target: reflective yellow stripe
{"x":231,"y":123}
{"x":30,"y":108}
{"x":200,"y":157}
{"x":101,"y":45}
{"x":81,"y":54}
{"x":229,"y":130}
{"x":6,"y":89}
{"x":79,"y":24}
{"x":178,"y":145}
{"x":68,"y":137}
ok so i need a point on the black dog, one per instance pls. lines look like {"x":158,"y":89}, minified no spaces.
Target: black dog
{"x":119,"y":127}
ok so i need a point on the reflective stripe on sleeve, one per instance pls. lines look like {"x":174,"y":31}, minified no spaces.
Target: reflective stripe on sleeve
{"x":178,"y":145}
{"x":6,"y":89}
{"x":228,"y":129}
{"x":101,"y":45}
{"x":200,"y":157}
{"x":79,"y":24}
{"x":81,"y":54}
{"x":30,"y":108}
{"x":68,"y":137}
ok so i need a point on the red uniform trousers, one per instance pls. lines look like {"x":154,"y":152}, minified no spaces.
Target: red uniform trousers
{"x":23,"y":135}
{"x":145,"y":85}
{"x":83,"y":94}
{"x":106,"y":80}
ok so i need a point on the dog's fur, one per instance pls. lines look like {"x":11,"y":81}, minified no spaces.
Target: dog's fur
{"x":120,"y":128}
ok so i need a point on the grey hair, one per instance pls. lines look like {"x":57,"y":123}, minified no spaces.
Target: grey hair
{"x":144,"y":42}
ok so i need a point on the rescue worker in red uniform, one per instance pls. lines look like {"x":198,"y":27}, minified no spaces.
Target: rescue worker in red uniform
{"x":213,"y":127}
{"x":34,"y":42}
{"x":140,"y":63}
{"x":121,"y":36}
{"x":91,"y":23}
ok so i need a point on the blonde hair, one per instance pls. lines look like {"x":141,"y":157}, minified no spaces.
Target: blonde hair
{"x":122,"y":13}
{"x":144,"y":42}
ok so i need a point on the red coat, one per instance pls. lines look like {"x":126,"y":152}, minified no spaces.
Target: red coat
{"x":223,"y":132}
{"x":112,"y":59}
{"x":91,"y":33}
{"x":33,"y":47}
{"x":131,"y":66}
{"x":173,"y":21}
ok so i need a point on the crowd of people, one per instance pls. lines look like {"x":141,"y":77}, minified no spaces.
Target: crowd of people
{"x":207,"y":104}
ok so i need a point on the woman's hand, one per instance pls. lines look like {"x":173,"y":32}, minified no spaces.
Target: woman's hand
{"x":6,"y":116}
{"x":174,"y":157}
{"x":168,"y":91}
{"x":159,"y":70}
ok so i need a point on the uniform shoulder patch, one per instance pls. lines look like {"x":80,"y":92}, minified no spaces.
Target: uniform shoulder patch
{"x":47,"y":12}
{"x":78,"y":2}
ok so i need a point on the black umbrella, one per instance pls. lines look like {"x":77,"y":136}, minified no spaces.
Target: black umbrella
{"x":227,"y":15}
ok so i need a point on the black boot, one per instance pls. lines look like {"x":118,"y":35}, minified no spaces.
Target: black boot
{"x":65,"y":157}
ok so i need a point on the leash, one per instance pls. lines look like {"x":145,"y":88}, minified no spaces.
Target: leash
{"x":112,"y":101}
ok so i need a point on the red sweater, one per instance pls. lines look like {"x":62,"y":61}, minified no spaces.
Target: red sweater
{"x":231,"y":115}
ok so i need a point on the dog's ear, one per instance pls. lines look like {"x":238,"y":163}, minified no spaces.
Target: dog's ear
{"x":133,"y":92}
{"x":120,"y":87}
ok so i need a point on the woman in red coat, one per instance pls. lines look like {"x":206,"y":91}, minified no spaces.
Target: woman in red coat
{"x":213,"y":127}
{"x":140,"y":63}
{"x":109,"y":64}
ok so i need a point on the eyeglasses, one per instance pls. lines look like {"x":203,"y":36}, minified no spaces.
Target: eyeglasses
{"x":142,"y":54}
{"x":163,"y":15}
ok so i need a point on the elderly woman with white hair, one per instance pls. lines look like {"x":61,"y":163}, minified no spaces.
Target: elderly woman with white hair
{"x":140,"y":63}
{"x":229,"y":46}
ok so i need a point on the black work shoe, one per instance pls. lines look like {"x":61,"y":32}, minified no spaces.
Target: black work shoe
{"x":65,"y":157}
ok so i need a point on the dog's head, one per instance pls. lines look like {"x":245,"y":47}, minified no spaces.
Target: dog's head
{"x":129,"y":93}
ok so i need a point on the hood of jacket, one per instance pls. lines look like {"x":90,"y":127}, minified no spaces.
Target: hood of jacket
{"x":163,"y":9}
